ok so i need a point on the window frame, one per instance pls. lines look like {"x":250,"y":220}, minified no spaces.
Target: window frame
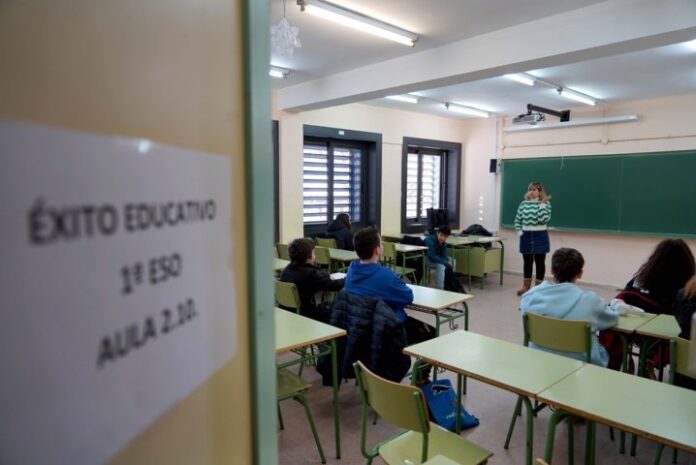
{"x":370,"y":166}
{"x":450,"y":180}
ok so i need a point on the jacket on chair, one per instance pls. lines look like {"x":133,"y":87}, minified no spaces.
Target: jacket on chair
{"x":375,"y":336}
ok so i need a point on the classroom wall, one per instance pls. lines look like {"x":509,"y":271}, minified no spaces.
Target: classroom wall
{"x":665,"y":124}
{"x":166,"y":70}
{"x":394,"y":125}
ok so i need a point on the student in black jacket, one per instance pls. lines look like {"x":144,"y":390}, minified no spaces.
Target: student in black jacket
{"x":340,"y":228}
{"x":308,"y":278}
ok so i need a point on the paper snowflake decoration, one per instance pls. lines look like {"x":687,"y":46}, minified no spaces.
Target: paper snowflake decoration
{"x":284,"y":38}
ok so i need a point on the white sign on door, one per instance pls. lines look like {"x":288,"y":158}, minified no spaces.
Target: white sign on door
{"x":116,"y":285}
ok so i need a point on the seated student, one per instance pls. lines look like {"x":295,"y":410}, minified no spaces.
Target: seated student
{"x":308,"y":278}
{"x":565,"y":300}
{"x":366,"y":277}
{"x":340,"y":229}
{"x":655,"y":285}
{"x":654,"y":288}
{"x":436,"y":257}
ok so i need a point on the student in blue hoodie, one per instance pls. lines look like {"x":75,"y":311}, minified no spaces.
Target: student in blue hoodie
{"x":565,"y":300}
{"x":366,"y":277}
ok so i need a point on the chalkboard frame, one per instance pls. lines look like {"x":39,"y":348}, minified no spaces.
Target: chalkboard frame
{"x":508,"y":197}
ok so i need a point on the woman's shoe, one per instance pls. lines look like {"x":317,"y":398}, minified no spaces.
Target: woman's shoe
{"x":525,"y":286}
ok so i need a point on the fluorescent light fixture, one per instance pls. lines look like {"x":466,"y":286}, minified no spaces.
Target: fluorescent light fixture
{"x":691,"y":44}
{"x":577,"y":96}
{"x":466,"y":110}
{"x":522,"y":78}
{"x":358,"y":21}
{"x":570,"y":124}
{"x":404,"y":98}
{"x":277,"y":72}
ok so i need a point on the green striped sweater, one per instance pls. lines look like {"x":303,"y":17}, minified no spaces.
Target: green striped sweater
{"x":531,"y":214}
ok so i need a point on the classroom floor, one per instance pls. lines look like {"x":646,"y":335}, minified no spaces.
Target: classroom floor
{"x":493,"y":312}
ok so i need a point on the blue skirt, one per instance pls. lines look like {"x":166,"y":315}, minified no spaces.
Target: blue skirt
{"x":534,"y":242}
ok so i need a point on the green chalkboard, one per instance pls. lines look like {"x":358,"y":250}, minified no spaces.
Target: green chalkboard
{"x":650,"y":193}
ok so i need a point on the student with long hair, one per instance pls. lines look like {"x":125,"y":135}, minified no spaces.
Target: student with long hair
{"x":685,"y":307}
{"x":655,"y":285}
{"x":531,"y":219}
{"x":340,"y":228}
{"x":654,"y":288}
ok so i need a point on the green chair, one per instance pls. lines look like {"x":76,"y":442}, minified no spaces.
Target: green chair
{"x":286,"y":295}
{"x":328,"y":242}
{"x":323,"y":257}
{"x":559,"y":335}
{"x":291,"y":386}
{"x":390,"y":260}
{"x":404,"y":406}
{"x":283,"y":251}
{"x":678,"y":363}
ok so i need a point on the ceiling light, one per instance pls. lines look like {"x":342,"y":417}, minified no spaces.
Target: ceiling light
{"x":521,"y":78}
{"x":466,"y":110}
{"x":691,"y":44}
{"x":277,"y":72}
{"x":404,"y":98}
{"x":577,"y":96}
{"x":358,"y":21}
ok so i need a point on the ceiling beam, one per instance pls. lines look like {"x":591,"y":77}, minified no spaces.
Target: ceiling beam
{"x":604,"y":29}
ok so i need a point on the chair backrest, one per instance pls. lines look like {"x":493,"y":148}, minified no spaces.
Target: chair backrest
{"x":400,"y":404}
{"x":329,"y":242}
{"x":557,"y":334}
{"x":286,"y":295}
{"x":322,"y":255}
{"x":679,"y":351}
{"x":283,"y":251}
{"x":389,"y":251}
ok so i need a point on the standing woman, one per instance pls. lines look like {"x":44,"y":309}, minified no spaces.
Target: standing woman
{"x":532,"y":216}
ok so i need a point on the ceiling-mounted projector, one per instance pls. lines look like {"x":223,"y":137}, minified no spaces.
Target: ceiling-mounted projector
{"x":530,"y":118}
{"x":535,"y":114}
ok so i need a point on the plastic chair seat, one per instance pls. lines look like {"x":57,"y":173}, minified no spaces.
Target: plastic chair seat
{"x":406,"y":448}
{"x":289,"y":384}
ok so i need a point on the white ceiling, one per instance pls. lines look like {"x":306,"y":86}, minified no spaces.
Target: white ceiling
{"x":329,"y":49}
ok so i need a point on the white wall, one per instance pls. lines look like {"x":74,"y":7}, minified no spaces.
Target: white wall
{"x":394,"y":125}
{"x":665,"y":124}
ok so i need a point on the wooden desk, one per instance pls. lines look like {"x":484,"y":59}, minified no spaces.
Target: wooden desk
{"x":651,"y":409}
{"x":512,"y":367}
{"x":279,"y":264}
{"x":294,"y":331}
{"x":441,"y":304}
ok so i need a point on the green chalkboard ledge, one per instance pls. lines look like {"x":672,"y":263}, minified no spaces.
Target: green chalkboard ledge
{"x":613,"y":232}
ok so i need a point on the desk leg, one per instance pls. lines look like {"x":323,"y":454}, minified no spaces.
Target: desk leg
{"x":468,"y":264}
{"x":502,"y":255}
{"x":590,"y":443}
{"x":423,"y":268}
{"x":530,"y":429}
{"x":458,"y":421}
{"x":336,"y":408}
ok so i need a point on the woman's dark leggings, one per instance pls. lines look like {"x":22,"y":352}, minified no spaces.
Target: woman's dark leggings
{"x":534,"y":258}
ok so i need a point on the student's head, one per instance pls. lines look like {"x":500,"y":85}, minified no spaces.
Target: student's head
{"x":344,"y":218}
{"x":535,"y":191}
{"x":367,"y":243}
{"x":301,"y":251}
{"x":668,"y":268}
{"x":566,"y":265}
{"x":443,"y":232}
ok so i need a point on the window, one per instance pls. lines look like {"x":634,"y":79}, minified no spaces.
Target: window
{"x":331,"y":182}
{"x":423,"y":182}
{"x":430,"y":179}
{"x":341,"y":173}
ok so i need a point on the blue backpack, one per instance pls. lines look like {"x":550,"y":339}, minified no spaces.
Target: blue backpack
{"x":442,"y":404}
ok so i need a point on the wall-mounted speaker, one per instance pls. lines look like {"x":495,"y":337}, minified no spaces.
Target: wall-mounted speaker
{"x":493,"y":168}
